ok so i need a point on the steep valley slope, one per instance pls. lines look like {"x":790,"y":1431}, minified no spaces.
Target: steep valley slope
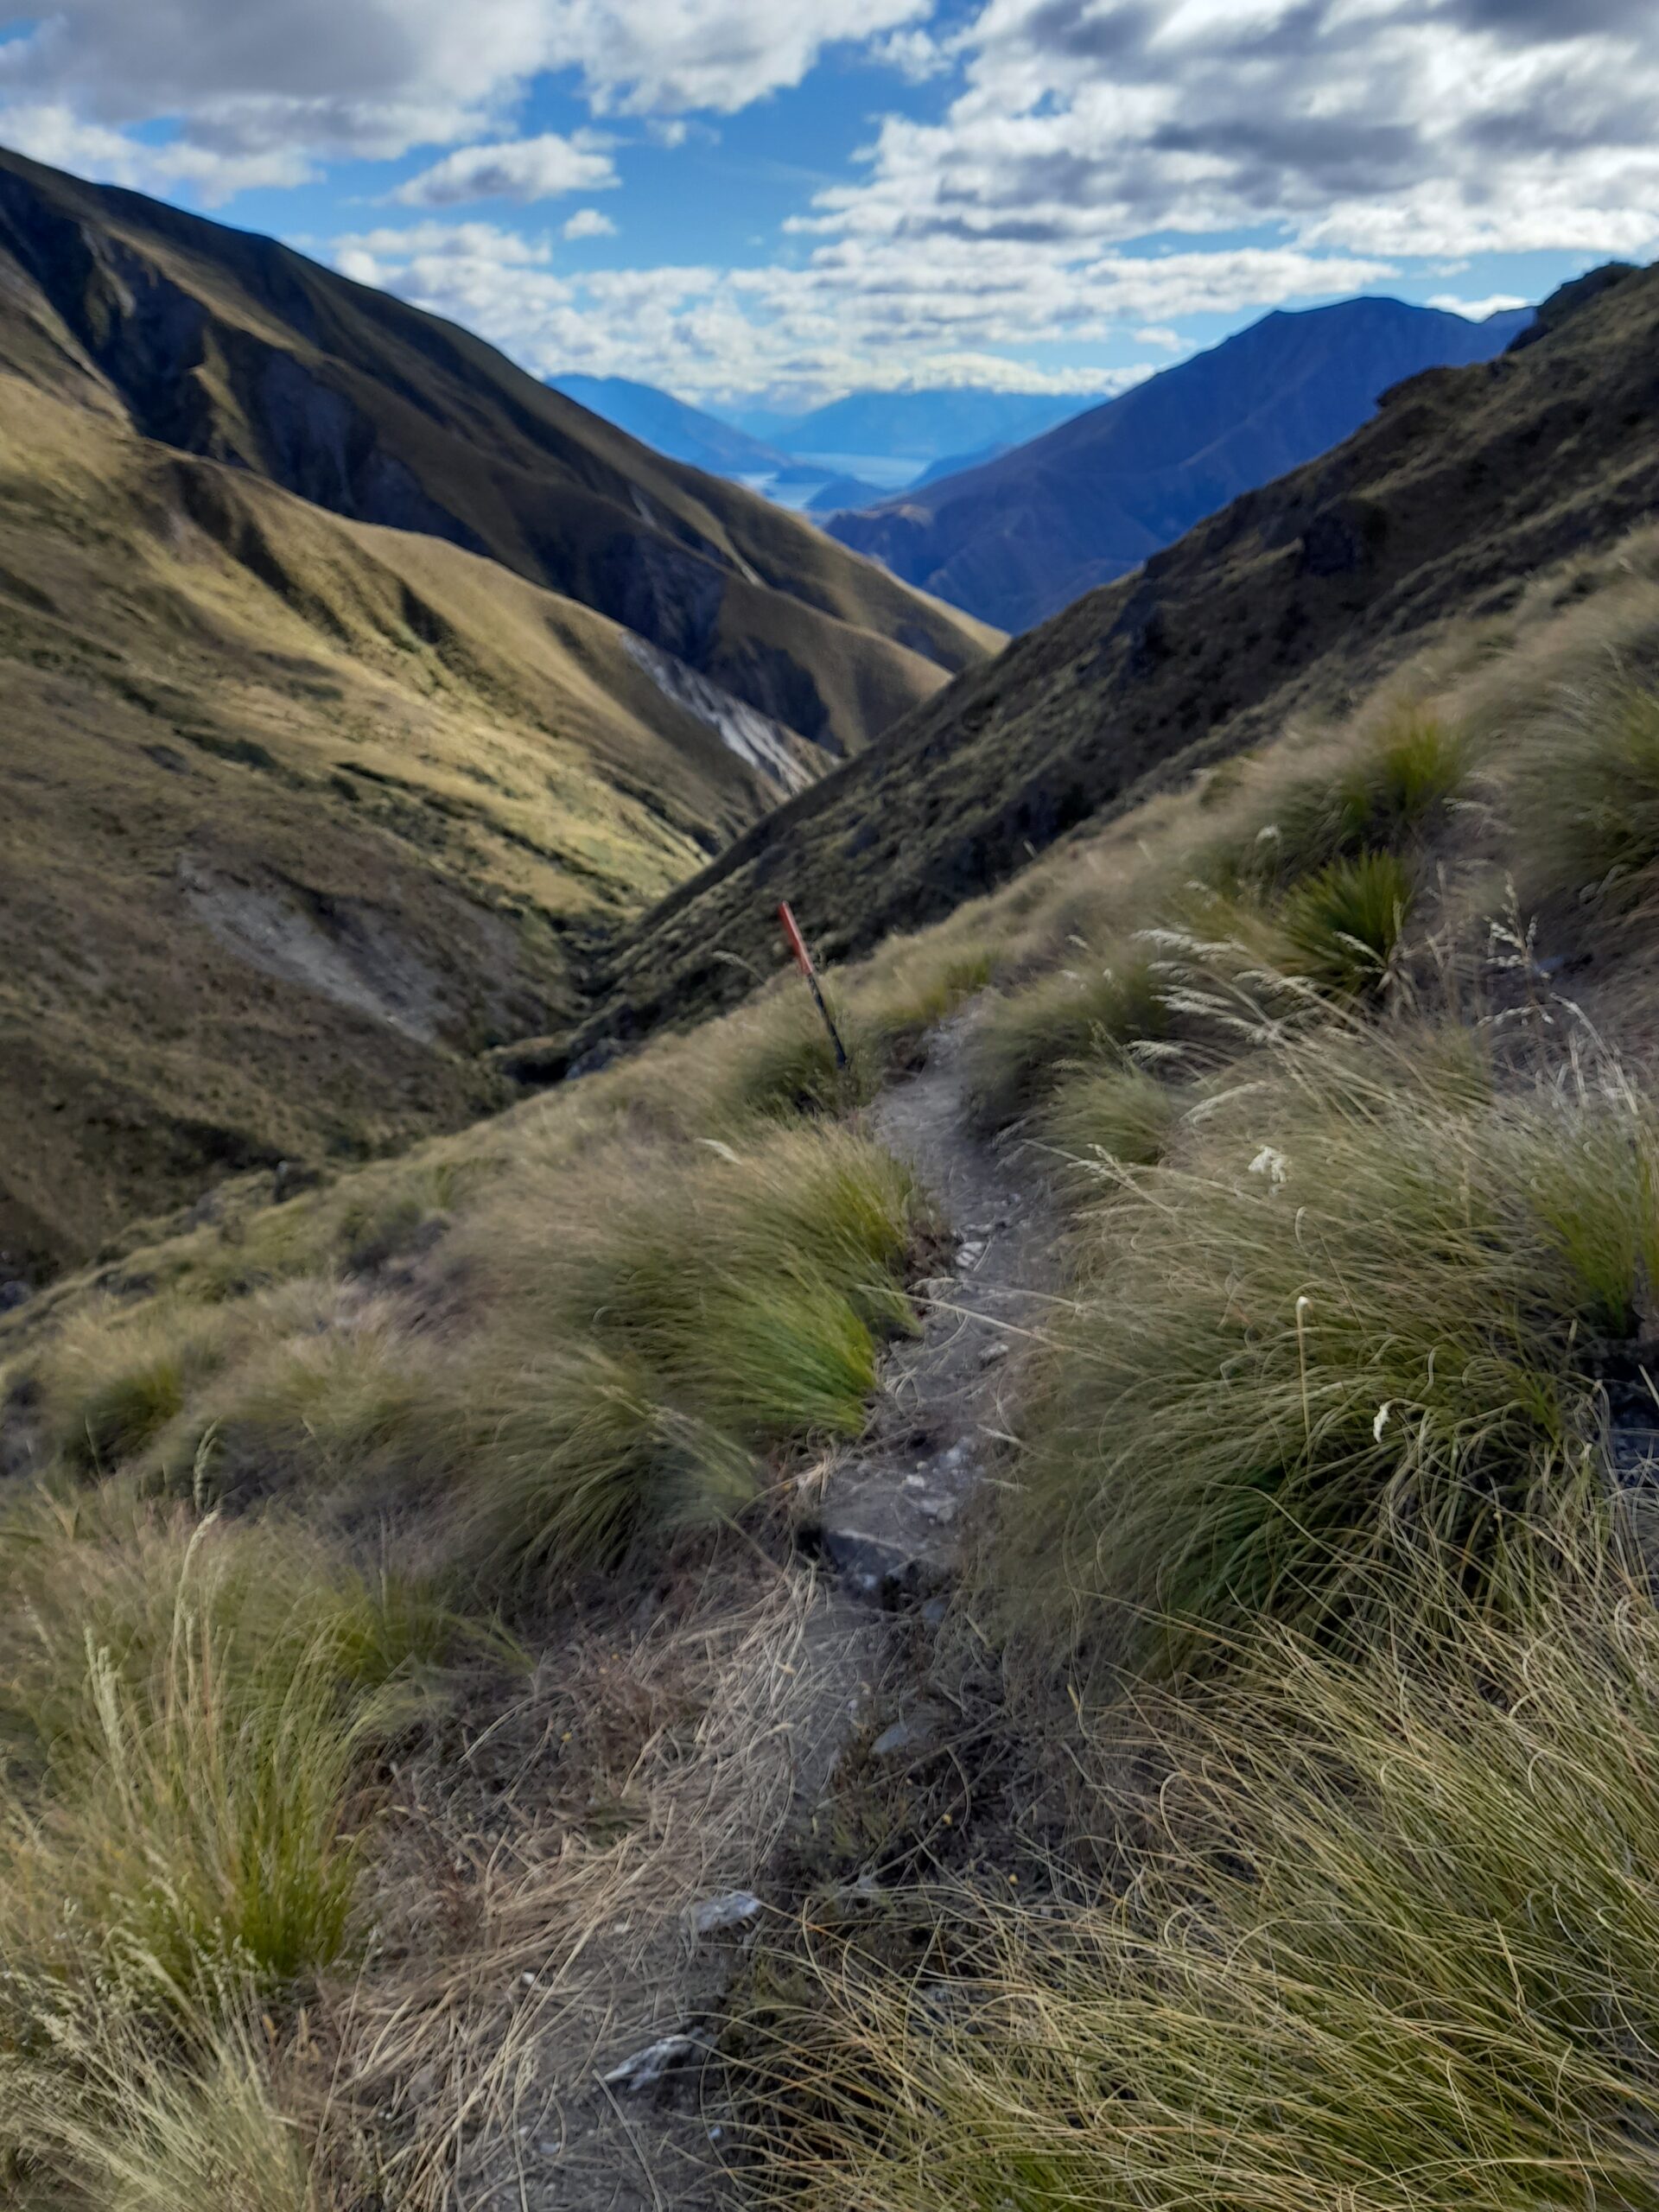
{"x":1280,"y":607}
{"x":315,"y":787}
{"x":236,"y":348}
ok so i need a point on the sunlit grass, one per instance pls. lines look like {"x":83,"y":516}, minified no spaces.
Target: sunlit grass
{"x":1390,"y":1940}
{"x":1353,"y":1312}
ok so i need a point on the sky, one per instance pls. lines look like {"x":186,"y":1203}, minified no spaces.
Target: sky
{"x":785,"y":199}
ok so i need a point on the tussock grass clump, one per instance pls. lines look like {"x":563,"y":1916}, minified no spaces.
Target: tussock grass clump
{"x":1353,"y":1313}
{"x":116,"y":1376}
{"x":1390,"y":792}
{"x":1394,"y":1941}
{"x":652,"y":1338}
{"x":1587,"y":805}
{"x":1343,"y":925}
{"x":1025,"y":1040}
{"x":133,"y":2126}
{"x":780,"y":1064}
{"x":184,"y":1707}
{"x":1113,"y":1115}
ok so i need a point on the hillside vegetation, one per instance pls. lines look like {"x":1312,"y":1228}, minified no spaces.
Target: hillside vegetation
{"x":1313,"y":1591}
{"x":304,"y":815}
{"x":238,"y":349}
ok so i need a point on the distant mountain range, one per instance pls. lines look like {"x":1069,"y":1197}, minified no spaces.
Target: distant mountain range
{"x":683,"y":432}
{"x":928,"y":429}
{"x":919,"y":426}
{"x":1019,"y":537}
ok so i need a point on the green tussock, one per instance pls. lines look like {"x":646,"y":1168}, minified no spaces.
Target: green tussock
{"x":184,"y":1710}
{"x":1122,"y":1115}
{"x":1386,"y":797}
{"x":1344,"y":925}
{"x":1089,"y":1012}
{"x":1588,"y":803}
{"x":673,"y":1335}
{"x":1351,"y":1315}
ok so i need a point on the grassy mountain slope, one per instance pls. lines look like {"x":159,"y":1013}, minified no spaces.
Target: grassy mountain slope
{"x":1280,"y":605}
{"x":300,"y":815}
{"x":236,"y":348}
{"x":1019,"y":537}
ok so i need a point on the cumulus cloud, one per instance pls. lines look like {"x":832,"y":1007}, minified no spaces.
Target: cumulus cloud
{"x":1478,"y":310}
{"x":260,"y":90}
{"x":1392,"y":127}
{"x":589,"y":223}
{"x":855,"y":313}
{"x":514,"y":169}
{"x":1009,"y":208}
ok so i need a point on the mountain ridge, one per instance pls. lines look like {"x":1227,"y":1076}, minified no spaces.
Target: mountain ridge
{"x":222,"y":343}
{"x":1028,"y":530}
{"x":671,"y":426}
{"x":316,"y":787}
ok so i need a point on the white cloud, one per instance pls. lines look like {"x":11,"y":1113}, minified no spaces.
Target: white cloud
{"x":1377,"y":127}
{"x":514,"y":169}
{"x":589,"y":223}
{"x":857,"y":313}
{"x":1478,"y":310}
{"x":1158,"y":334}
{"x":916,"y":55}
{"x":259,"y":92}
{"x":50,"y":132}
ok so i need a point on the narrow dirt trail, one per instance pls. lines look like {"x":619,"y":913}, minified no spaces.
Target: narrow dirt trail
{"x":890,"y":1506}
{"x":884,"y":1516}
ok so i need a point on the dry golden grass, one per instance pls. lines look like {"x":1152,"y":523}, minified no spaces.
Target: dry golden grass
{"x":1386,"y":1940}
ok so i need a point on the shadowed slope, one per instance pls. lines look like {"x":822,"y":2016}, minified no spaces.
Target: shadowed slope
{"x":1020,"y":537}
{"x":300,"y":814}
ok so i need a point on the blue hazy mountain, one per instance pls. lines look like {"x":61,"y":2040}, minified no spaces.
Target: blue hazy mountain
{"x":918,"y":426}
{"x":1018,"y":538}
{"x":683,"y":432}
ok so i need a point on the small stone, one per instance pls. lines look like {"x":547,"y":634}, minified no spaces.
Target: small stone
{"x":969,"y":1254}
{"x":647,"y":2067}
{"x":736,"y":1909}
{"x":936,"y":1509}
{"x":897,"y":1738}
{"x":990,"y":1353}
{"x":918,"y":1481}
{"x":934,"y":1611}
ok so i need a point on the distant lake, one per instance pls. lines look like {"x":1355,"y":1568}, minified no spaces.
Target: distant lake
{"x":881,"y":471}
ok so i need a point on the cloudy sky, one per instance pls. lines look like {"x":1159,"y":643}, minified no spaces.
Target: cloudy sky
{"x":793,"y":197}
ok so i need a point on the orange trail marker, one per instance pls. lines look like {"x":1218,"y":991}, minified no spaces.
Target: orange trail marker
{"x":804,"y":961}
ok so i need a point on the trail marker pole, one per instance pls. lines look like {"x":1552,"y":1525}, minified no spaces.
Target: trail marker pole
{"x":804,"y":961}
